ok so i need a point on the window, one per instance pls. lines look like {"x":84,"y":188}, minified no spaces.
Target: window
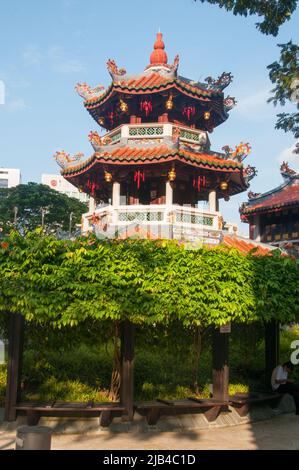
{"x":3,"y":183}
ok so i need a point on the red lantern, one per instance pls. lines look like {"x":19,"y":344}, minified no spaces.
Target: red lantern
{"x":199,"y":182}
{"x":146,"y":106}
{"x":111,"y":117}
{"x":138,"y":177}
{"x":188,"y":111}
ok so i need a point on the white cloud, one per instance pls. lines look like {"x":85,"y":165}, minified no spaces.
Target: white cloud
{"x":32,"y":56}
{"x":69,"y":66}
{"x":62,"y":65}
{"x":255,"y":106}
{"x":17,"y":104}
{"x":287,"y":155}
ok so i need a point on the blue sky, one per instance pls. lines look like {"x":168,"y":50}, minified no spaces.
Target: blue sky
{"x":47,"y":47}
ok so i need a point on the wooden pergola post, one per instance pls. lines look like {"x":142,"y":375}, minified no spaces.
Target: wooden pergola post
{"x":15,"y":352}
{"x":220,"y":365}
{"x":127,"y":370}
{"x":271,"y":349}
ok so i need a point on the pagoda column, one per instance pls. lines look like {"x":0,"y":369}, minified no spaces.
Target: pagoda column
{"x":115,"y":194}
{"x":257,"y":228}
{"x":169,"y":194}
{"x":92,"y":204}
{"x":213,"y":201}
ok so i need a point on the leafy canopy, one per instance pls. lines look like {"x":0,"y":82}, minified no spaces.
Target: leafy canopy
{"x":273,"y":12}
{"x":30,"y":200}
{"x":284,"y":72}
{"x":64,"y":283}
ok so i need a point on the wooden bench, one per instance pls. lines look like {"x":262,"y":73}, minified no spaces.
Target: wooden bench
{"x":155,"y":409}
{"x":243,"y":402}
{"x":34,"y":410}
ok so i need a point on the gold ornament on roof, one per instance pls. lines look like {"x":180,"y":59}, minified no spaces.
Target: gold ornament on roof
{"x":123,"y":106}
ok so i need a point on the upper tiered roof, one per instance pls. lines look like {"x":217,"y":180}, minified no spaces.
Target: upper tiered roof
{"x":156,"y":91}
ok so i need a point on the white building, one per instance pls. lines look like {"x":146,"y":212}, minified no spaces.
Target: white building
{"x":9,"y":177}
{"x":61,"y":185}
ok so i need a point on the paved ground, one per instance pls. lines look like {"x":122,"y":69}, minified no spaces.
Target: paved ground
{"x":281,"y":432}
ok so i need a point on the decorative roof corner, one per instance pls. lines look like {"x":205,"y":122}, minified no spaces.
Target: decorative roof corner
{"x":239,"y":154}
{"x":221,"y":82}
{"x":252,"y":195}
{"x":86,"y":92}
{"x":249,"y":172}
{"x":116,"y":73}
{"x":229,"y":103}
{"x":65,"y":160}
{"x":287,"y":172}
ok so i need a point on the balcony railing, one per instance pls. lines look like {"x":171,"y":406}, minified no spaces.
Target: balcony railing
{"x":157,"y":132}
{"x":153,"y":221}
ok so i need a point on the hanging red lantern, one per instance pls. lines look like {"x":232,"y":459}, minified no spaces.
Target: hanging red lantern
{"x":146,"y":106}
{"x":188,"y":111}
{"x":199,"y":182}
{"x":138,"y":177}
{"x":111,"y":117}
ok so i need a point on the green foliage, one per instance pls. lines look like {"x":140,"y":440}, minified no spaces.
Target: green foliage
{"x":66,"y":283}
{"x":2,"y":383}
{"x":285,"y":75}
{"x":30,"y":199}
{"x":273,"y":12}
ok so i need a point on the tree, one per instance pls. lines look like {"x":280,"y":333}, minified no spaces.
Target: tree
{"x":31,"y":205}
{"x":284,"y":73}
{"x":273,"y":12}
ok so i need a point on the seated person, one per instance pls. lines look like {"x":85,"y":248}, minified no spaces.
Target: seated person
{"x":281,"y":384}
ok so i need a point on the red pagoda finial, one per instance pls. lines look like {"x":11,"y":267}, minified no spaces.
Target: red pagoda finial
{"x":158,"y":56}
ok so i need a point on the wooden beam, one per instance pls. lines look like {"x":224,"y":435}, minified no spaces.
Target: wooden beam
{"x":15,"y":352}
{"x":127,"y":370}
{"x":271,"y":349}
{"x":220,"y":365}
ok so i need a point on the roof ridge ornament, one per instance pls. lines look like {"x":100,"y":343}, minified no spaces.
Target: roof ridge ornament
{"x":65,"y":160}
{"x":86,"y":92}
{"x":158,"y":56}
{"x":221,"y":82}
{"x":115,"y":72}
{"x":287,"y":172}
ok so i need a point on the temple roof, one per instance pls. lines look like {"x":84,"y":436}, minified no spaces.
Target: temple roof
{"x":245,"y":246}
{"x":159,"y":79}
{"x":284,"y":196}
{"x":156,"y":154}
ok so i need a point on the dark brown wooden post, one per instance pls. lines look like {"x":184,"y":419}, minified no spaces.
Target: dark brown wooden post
{"x":15,"y":351}
{"x":220,"y":365}
{"x":127,"y":370}
{"x":271,"y":349}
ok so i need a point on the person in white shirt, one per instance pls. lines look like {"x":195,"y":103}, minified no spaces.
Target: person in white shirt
{"x":281,"y":384}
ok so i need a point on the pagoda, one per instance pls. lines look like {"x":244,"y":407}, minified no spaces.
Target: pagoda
{"x":273,"y":216}
{"x":152,"y":173}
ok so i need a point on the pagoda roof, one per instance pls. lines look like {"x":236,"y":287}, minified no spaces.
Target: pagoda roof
{"x":155,"y":82}
{"x":158,"y":77}
{"x":155,"y":154}
{"x":284,"y":196}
